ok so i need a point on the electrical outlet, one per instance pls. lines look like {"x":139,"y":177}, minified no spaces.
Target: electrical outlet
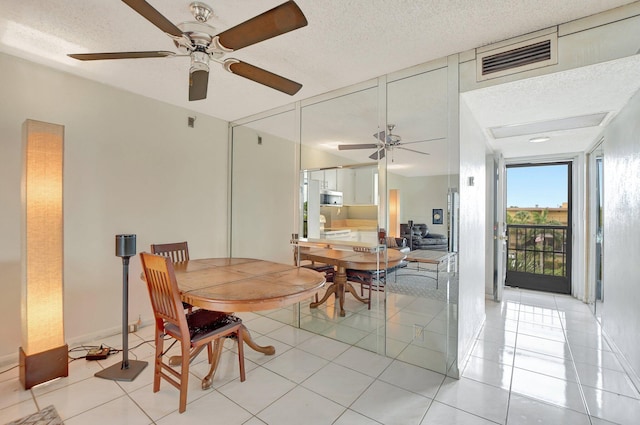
{"x":133,"y":327}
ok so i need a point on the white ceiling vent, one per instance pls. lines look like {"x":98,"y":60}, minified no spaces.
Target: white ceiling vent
{"x":513,"y":58}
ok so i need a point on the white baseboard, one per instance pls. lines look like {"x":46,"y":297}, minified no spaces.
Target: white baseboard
{"x":462,"y":360}
{"x":12,"y":359}
{"x":626,"y":365}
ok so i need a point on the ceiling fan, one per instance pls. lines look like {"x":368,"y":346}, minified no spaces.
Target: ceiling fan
{"x":202,"y":43}
{"x":387,"y":141}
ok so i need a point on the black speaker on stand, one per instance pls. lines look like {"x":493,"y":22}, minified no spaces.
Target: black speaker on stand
{"x":128,"y":370}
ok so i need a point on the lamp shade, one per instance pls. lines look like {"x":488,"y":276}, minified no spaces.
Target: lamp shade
{"x":42,"y":257}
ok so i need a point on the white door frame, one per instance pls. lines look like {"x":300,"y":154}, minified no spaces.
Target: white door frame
{"x":500,"y":224}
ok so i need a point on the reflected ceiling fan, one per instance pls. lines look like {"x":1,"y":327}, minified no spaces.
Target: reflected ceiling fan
{"x":202,"y":43}
{"x":387,"y":141}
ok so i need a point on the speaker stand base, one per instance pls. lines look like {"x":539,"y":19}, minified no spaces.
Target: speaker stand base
{"x":118,"y":373}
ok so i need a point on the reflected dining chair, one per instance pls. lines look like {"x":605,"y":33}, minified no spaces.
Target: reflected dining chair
{"x":194,"y":331}
{"x":177,"y":251}
{"x":328,"y":270}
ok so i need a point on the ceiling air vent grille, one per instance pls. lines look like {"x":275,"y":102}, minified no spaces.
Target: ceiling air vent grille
{"x":516,"y":58}
{"x":519,"y":57}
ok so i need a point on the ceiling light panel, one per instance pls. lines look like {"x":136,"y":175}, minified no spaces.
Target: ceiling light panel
{"x":581,"y":121}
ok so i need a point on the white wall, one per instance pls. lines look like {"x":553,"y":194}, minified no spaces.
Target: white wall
{"x":420,"y":195}
{"x":131,"y":166}
{"x":620,"y":312}
{"x":472,"y":232}
{"x":263,"y":196}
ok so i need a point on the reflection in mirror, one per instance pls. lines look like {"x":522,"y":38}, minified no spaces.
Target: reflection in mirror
{"x":421,"y":316}
{"x":339,"y":197}
{"x":340,"y":204}
{"x":357,"y":175}
{"x":351,"y":119}
{"x":341,"y":184}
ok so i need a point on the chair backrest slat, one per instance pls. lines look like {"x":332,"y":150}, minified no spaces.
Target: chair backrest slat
{"x":178,"y":251}
{"x":163,"y":289}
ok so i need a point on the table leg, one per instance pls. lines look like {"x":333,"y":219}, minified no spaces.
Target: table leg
{"x":349,"y":287}
{"x":332,"y":289}
{"x":339,"y":287}
{"x":207,"y":381}
{"x":341,"y":280}
{"x":268,"y":350}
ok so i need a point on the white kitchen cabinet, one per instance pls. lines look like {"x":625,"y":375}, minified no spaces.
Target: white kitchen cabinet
{"x":328,"y":178}
{"x":331,"y":179}
{"x":345,"y":185}
{"x":366,"y":186}
{"x":359,"y":186}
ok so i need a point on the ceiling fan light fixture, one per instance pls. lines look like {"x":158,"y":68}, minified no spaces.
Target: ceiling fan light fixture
{"x":200,"y":11}
{"x":199,"y":62}
{"x":539,"y":139}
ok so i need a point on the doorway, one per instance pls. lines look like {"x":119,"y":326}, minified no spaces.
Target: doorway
{"x":596,"y":228}
{"x":539,"y":227}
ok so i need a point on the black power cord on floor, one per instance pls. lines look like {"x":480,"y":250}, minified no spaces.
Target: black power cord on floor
{"x":87,"y":348}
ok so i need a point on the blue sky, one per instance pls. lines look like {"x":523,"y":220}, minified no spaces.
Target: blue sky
{"x":544,"y":186}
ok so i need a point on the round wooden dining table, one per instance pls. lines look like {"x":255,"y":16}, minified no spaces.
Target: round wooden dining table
{"x":348,"y":259}
{"x":234,"y":285}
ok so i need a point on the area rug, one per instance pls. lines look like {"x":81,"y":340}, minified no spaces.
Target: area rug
{"x":421,"y":284}
{"x":46,"y":416}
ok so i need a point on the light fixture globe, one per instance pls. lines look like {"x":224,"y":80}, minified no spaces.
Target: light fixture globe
{"x":540,"y":139}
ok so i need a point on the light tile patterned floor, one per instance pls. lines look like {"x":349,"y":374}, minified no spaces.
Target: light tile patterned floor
{"x":540,"y":359}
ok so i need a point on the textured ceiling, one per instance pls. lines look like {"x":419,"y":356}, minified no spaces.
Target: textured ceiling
{"x":601,"y":88}
{"x":346,"y":42}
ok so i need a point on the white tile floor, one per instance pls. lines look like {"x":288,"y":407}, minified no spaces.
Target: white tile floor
{"x":540,"y":359}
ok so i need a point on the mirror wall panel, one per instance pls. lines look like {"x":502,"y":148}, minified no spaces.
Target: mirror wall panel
{"x":421,"y":314}
{"x":340,"y":202}
{"x":400,"y":165}
{"x":340,"y":186}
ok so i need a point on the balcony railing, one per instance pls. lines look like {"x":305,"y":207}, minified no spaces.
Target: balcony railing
{"x":537,"y":249}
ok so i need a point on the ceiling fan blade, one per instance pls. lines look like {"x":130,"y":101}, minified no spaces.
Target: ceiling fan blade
{"x":379,"y":154}
{"x":198,"y":82}
{"x":156,"y":18}
{"x":426,"y":140}
{"x":279,"y":20}
{"x":412,"y":150}
{"x":119,"y":55}
{"x":262,"y":76}
{"x":380,"y":136}
{"x":358,"y":146}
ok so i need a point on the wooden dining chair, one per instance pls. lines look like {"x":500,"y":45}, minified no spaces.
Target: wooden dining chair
{"x":194,"y":331}
{"x":178,"y":252}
